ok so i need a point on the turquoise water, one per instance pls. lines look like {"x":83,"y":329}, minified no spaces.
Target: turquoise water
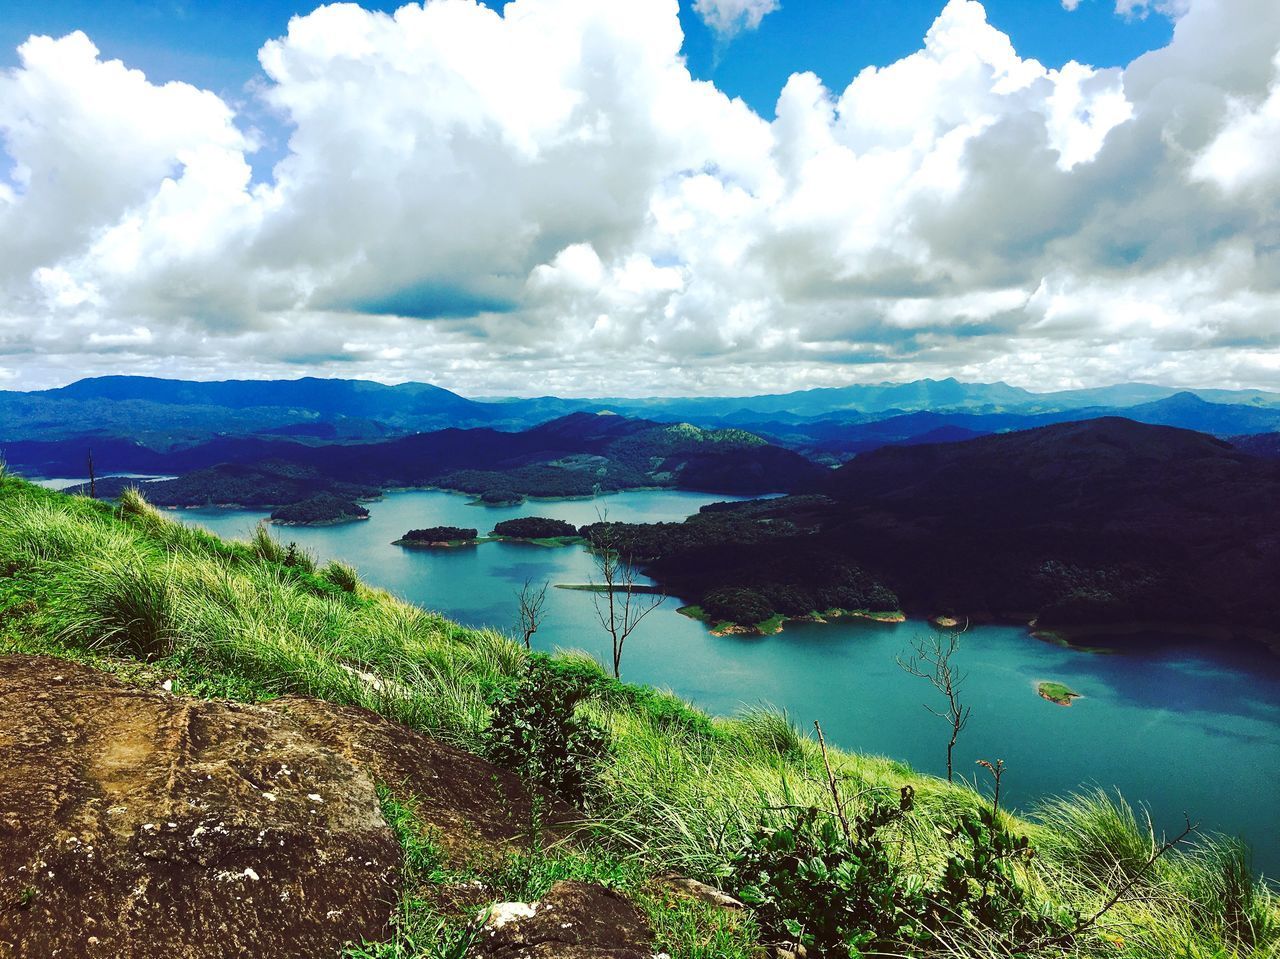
{"x":1174,"y":724}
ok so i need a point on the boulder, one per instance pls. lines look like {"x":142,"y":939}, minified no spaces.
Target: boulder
{"x":135,"y":823}
{"x":575,"y":920}
{"x":476,"y":811}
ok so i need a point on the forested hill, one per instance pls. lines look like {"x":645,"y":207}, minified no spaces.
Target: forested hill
{"x":1104,"y":521}
{"x":572,"y":456}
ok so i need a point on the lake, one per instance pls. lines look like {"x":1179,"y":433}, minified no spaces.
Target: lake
{"x":1173,"y":724}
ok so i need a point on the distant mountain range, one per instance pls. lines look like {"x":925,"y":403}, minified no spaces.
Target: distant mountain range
{"x":167,"y":413}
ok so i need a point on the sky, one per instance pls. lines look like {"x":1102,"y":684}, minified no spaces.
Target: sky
{"x":642,"y":197}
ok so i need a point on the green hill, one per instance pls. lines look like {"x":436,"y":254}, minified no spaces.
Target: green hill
{"x":926,"y":867}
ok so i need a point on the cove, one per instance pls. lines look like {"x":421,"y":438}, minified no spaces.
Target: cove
{"x":1174,"y":724}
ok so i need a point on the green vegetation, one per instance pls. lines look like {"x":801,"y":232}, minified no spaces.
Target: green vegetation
{"x":750,"y":566}
{"x":259,"y":485}
{"x":536,"y":729}
{"x":427,"y":928}
{"x":535,"y":527}
{"x":437,"y":535}
{"x":733,"y":607}
{"x":128,"y":590}
{"x":505,"y":487}
{"x":500,"y":497}
{"x":1056,"y":693}
{"x":322,"y":509}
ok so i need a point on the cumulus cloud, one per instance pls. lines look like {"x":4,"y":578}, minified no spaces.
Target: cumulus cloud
{"x":1242,"y":155}
{"x":729,"y":17}
{"x":544,"y":200}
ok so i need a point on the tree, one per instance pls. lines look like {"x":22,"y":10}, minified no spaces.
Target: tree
{"x":620,"y":603}
{"x":931,"y":660}
{"x":531,"y":602}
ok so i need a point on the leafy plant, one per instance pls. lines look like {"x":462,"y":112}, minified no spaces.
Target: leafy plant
{"x":536,"y":730}
{"x":979,"y":892}
{"x":833,"y":893}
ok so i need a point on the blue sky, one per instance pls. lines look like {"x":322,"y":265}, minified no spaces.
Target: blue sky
{"x":214,"y":43}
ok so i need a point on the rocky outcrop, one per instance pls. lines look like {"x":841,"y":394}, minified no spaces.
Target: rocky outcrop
{"x":575,"y":920}
{"x":134,"y":823}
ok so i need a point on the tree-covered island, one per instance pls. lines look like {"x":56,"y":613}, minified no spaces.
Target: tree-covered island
{"x":435,"y":536}
{"x":538,"y":530}
{"x":323,"y":509}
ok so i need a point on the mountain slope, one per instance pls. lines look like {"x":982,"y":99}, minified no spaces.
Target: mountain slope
{"x":1101,"y":521}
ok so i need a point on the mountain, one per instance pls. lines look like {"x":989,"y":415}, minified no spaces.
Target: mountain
{"x":829,"y":439}
{"x":325,"y":398}
{"x":573,"y":456}
{"x":946,"y":395}
{"x":1189,"y":411}
{"x":1102,"y":521}
{"x":169,"y":415}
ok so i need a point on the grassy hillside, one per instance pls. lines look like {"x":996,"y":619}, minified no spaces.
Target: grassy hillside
{"x":661,"y":786}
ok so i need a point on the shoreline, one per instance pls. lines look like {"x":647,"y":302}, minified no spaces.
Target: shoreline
{"x":338,"y":521}
{"x":777,"y":623}
{"x":1084,"y":638}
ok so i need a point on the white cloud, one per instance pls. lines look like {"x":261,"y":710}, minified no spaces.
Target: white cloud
{"x":729,"y":17}
{"x":545,"y":200}
{"x":1243,"y":155}
{"x":1141,"y":9}
{"x":1071,"y":6}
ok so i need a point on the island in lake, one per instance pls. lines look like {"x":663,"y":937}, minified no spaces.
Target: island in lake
{"x":539,"y":531}
{"x":434,"y":537}
{"x":323,"y":509}
{"x":726,"y":611}
{"x":1057,"y":693}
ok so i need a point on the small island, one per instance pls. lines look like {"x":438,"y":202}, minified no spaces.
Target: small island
{"x":1057,"y":693}
{"x":434,"y":537}
{"x":736,"y":612}
{"x":323,"y":509}
{"x":539,"y":531}
{"x":498,"y":497}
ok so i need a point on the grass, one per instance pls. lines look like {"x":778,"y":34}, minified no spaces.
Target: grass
{"x":129,"y":590}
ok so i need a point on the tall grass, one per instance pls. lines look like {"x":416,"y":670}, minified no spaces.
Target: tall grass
{"x":679,"y":790}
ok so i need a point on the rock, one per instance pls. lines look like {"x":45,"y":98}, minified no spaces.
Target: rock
{"x":135,"y":823}
{"x":692,"y":889}
{"x":790,"y":950}
{"x":475,"y":810}
{"x":575,"y":920}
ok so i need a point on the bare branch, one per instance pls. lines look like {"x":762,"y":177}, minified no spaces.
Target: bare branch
{"x":835,"y":790}
{"x":931,"y":660}
{"x":616,"y":599}
{"x":531,"y":614}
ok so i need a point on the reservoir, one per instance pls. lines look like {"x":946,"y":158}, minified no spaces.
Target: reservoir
{"x":1175,"y":725}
